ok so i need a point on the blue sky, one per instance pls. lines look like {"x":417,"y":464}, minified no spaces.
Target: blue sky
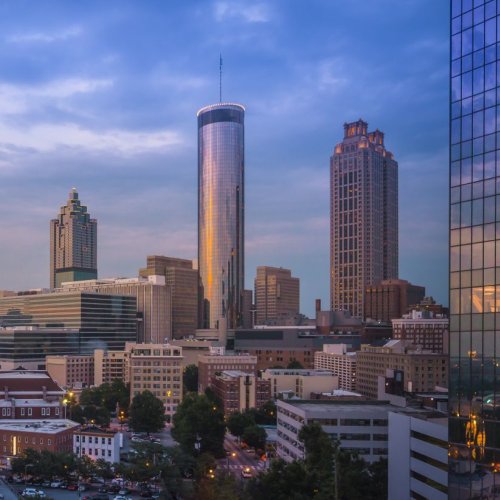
{"x":103,"y":96}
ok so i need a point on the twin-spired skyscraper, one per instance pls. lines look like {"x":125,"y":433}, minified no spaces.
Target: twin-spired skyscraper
{"x":221,"y":209}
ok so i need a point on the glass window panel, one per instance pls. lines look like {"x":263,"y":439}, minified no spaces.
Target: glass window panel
{"x":490,"y":76}
{"x":455,"y":216}
{"x":465,"y":300}
{"x":478,"y":146}
{"x":489,"y":232}
{"x":455,"y":280}
{"x":466,"y":235}
{"x":477,"y":234}
{"x":489,"y":10}
{"x":455,"y":152}
{"x":455,"y":194}
{"x":489,"y":254}
{"x":456,"y":46}
{"x":466,"y":171}
{"x":465,"y":214}
{"x":489,"y":165}
{"x":455,"y":258}
{"x":455,"y":88}
{"x":497,"y":257}
{"x":467,"y":127}
{"x":466,"y":149}
{"x":489,"y":187}
{"x":489,"y":274}
{"x":456,"y":26}
{"x":456,"y":7}
{"x":477,"y":255}
{"x":490,"y":98}
{"x":456,"y":110}
{"x":467,"y":87}
{"x":489,"y":209}
{"x":465,"y":344}
{"x":465,"y":257}
{"x":479,"y":12}
{"x":454,"y":300}
{"x":478,"y":84}
{"x":466,"y":63}
{"x":455,"y":237}
{"x":478,"y":37}
{"x":467,"y":41}
{"x":489,"y":121}
{"x":455,"y":131}
{"x":489,"y":142}
{"x":466,"y":192}
{"x":465,"y":279}
{"x":490,"y":35}
{"x":477,"y":187}
{"x":478,"y":124}
{"x":478,"y":102}
{"x":477,"y":212}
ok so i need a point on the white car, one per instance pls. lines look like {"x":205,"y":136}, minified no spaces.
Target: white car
{"x":32,"y":492}
{"x":121,"y":497}
{"x":56,"y":484}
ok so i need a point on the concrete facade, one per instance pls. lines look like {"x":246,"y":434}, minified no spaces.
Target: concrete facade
{"x":338,"y":360}
{"x":96,"y":444}
{"x":71,"y":371}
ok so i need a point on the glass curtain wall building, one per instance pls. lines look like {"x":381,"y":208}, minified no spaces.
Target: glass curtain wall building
{"x":221,"y":202}
{"x":103,"y":321}
{"x":474,"y":424}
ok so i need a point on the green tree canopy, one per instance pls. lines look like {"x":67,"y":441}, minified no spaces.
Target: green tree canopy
{"x":199,"y":420}
{"x":190,"y":379}
{"x":255,"y":437}
{"x":295,"y":365}
{"x":237,"y":422}
{"x":147,"y":413}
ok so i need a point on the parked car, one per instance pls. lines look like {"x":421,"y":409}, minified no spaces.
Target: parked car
{"x":72,"y":487}
{"x":56,"y":484}
{"x":32,"y":492}
{"x":246,"y":473}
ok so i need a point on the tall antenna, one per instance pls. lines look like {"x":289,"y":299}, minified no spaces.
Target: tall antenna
{"x":220,"y":77}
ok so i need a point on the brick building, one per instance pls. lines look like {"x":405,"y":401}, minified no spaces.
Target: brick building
{"x":210,"y":364}
{"x":71,"y":371}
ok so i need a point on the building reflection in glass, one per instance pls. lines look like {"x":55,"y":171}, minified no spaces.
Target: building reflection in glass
{"x":474,"y":251}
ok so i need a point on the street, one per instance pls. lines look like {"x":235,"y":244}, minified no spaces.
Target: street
{"x":241,"y":460}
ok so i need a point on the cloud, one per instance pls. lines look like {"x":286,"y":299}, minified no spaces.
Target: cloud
{"x":255,"y":13}
{"x":47,"y":137}
{"x":28,"y":38}
{"x":18,"y":99}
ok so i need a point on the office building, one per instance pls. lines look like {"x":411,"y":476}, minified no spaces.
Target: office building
{"x":474,"y":424}
{"x":96,"y":443}
{"x":361,"y":426}
{"x":341,"y":362}
{"x":421,"y":370}
{"x":156,"y":368}
{"x":420,"y":442}
{"x":28,"y":346}
{"x":240,"y":391}
{"x":221,"y":208}
{"x":193,"y":348}
{"x":71,"y":371}
{"x":423,"y":329}
{"x":363,"y":216}
{"x":73,"y":243}
{"x":299,"y":383}
{"x":111,"y":365}
{"x":210,"y":364}
{"x":277,"y":295}
{"x":102,"y":321}
{"x":182,"y":279}
{"x":391,"y":299}
{"x":153,"y":301}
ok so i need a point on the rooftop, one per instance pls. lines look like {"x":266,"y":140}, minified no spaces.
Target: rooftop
{"x":41,"y":426}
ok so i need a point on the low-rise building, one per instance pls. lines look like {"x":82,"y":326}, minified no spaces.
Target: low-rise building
{"x":341,"y":362}
{"x":423,"y":328}
{"x":421,"y":370}
{"x":96,"y":443}
{"x":301,"y":382}
{"x":71,"y":371}
{"x":156,"y":368}
{"x":16,"y":436}
{"x":420,"y":442}
{"x":210,"y":364}
{"x":240,"y":391}
{"x":361,"y":426}
{"x":110,"y":365}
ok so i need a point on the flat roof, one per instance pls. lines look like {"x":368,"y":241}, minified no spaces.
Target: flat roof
{"x":40,"y":426}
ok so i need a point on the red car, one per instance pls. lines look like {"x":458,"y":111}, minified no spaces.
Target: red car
{"x":72,"y":487}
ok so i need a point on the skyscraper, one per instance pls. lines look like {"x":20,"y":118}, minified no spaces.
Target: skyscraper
{"x":73,"y":243}
{"x":221,"y":202}
{"x":363,"y":216}
{"x":474,"y":425}
{"x":277,"y":295}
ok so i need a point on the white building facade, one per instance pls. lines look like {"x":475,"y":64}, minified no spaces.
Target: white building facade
{"x":97,"y":444}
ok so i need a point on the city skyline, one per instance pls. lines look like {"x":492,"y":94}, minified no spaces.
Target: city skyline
{"x":86,"y":118}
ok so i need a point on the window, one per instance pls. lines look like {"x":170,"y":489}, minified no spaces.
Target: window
{"x":30,"y":412}
{"x":23,"y":411}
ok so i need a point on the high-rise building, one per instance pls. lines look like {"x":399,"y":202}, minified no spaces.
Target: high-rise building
{"x":363,"y":216}
{"x":183,"y":282}
{"x":221,"y":202}
{"x":277,"y":295}
{"x":73,"y":243}
{"x":474,"y":425}
{"x":391,"y":299}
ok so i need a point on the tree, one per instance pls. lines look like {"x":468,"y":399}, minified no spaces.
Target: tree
{"x":190,"y":379}
{"x":237,"y":422}
{"x":295,"y":365}
{"x":266,"y":415}
{"x":199,"y":422}
{"x":255,"y":437}
{"x":147,"y":413}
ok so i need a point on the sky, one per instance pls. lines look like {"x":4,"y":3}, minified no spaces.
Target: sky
{"x":103,"y":96}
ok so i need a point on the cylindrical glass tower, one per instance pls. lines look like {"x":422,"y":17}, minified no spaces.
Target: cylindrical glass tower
{"x":221,"y":202}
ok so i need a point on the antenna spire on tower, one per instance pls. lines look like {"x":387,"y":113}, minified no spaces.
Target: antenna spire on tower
{"x":220,"y":77}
